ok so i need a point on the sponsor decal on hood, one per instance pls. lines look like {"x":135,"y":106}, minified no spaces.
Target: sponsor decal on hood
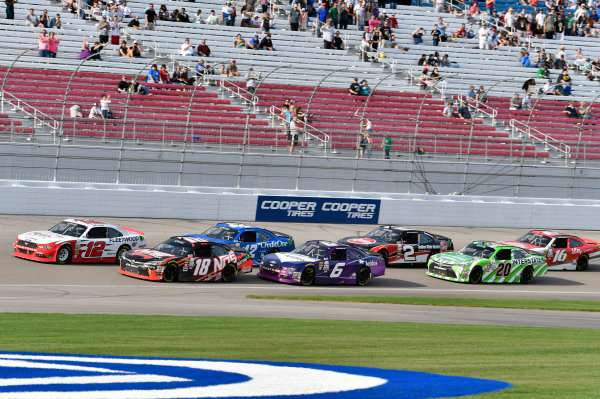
{"x":291,"y":257}
{"x":43,"y":237}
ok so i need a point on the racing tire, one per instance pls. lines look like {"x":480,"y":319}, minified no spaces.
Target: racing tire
{"x":384,"y":254}
{"x":63,"y":255}
{"x":308,"y":276}
{"x":363,"y":276}
{"x":582,"y":263}
{"x":169,"y":274}
{"x":526,"y":275}
{"x":476,"y":275}
{"x":228,"y":274}
{"x":121,"y":252}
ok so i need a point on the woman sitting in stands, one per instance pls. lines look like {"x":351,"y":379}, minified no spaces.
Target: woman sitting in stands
{"x":163,"y":13}
{"x":164,"y":74}
{"x":435,"y":75}
{"x":135,"y":51}
{"x":124,"y":50}
{"x":198,"y":18}
{"x":239,"y":42}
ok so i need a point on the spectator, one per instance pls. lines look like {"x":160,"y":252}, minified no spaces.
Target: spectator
{"x":515,"y":102}
{"x":55,"y":22}
{"x":327,"y":31}
{"x":303,"y":20}
{"x":436,"y":35}
{"x":526,"y":103}
{"x":95,"y":112}
{"x":85,"y":50}
{"x":199,"y":20}
{"x":135,"y":51}
{"x":365,"y":90}
{"x":163,"y":13}
{"x":423,"y":60}
{"x":470,"y":32}
{"x":153,"y":74}
{"x":463,"y":111}
{"x":424,"y":78}
{"x":471,"y":94}
{"x":123,"y":85}
{"x":135,"y":23}
{"x":104,"y":27}
{"x":294,"y":130}
{"x":584,"y":111}
{"x":45,"y":19}
{"x":266,"y":23}
{"x":338,"y":43}
{"x":75,"y":111}
{"x":391,"y":43}
{"x":253,"y":43}
{"x":105,"y":107}
{"x":203,"y":49}
{"x":53,"y":43}
{"x":442,"y":26}
{"x":462,"y":32}
{"x":212,"y":19}
{"x":418,"y":35}
{"x":563,"y":77}
{"x":294,"y":17}
{"x":164,"y":74}
{"x":250,"y":79}
{"x":439,"y":6}
{"x":239,"y":42}
{"x":480,"y":95}
{"x":387,"y":146}
{"x":525,"y":63}
{"x":448,"y":111}
{"x":266,"y":43}
{"x":549,"y":88}
{"x":124,"y":10}
{"x":568,"y":89}
{"x":183,"y":16}
{"x":435,"y":75}
{"x":543,"y":73}
{"x":474,"y":11}
{"x":322,"y":13}
{"x":115,"y":31}
{"x":202,"y":69}
{"x":150,"y":16}
{"x":561,"y":63}
{"x":174,"y":15}
{"x":363,"y":142}
{"x":43,"y":44}
{"x":354,"y":88}
{"x":186,"y":48}
{"x":230,"y":70}
{"x":227,"y":15}
{"x":32,"y":20}
{"x":136,"y":88}
{"x":570,"y":111}
{"x":489,"y":6}
{"x":445,"y":62}
{"x":483,"y":35}
{"x":10,"y":8}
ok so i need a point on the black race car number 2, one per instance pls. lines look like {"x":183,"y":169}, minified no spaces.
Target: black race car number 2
{"x":503,"y":270}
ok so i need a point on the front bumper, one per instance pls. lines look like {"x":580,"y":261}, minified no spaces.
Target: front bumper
{"x":276,"y":273}
{"x":132,"y":269}
{"x":34,"y":252}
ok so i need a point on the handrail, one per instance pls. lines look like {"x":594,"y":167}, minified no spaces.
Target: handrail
{"x":442,"y":88}
{"x":519,"y":128}
{"x":275,"y":113}
{"x":240,"y":93}
{"x":17,"y":104}
{"x":488,"y":111}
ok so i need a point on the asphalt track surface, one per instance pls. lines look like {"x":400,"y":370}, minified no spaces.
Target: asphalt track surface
{"x":27,"y":286}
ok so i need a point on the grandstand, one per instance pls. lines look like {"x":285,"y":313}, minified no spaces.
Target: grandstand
{"x":219,"y":114}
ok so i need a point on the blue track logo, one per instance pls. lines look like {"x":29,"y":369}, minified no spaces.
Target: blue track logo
{"x":45,"y":376}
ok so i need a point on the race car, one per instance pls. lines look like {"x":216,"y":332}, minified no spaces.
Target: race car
{"x":488,"y":262}
{"x":562,"y":251}
{"x":256,"y":240}
{"x":399,"y":245}
{"x":185,"y":258}
{"x":322,"y":262}
{"x":78,"y":241}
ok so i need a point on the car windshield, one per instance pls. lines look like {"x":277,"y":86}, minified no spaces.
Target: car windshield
{"x":221,"y":233}
{"x":478,"y":251}
{"x":312,"y":250}
{"x":69,"y":229}
{"x":382,"y":234}
{"x":534,"y":239}
{"x":175,"y":246}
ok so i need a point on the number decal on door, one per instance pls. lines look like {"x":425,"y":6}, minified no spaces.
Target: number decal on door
{"x":202,"y":266}
{"x":337,"y":270}
{"x":94,"y":249}
{"x":559,"y":256}
{"x":503,"y":270}
{"x":409,"y":253}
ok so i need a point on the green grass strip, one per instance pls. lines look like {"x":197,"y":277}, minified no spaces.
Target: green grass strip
{"x":551,"y":304}
{"x":539,"y":362}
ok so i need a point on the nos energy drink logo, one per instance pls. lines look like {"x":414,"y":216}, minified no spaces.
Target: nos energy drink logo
{"x":27,"y":375}
{"x":317,"y":210}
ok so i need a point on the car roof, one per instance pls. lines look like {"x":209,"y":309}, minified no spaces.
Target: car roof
{"x":191,"y":239}
{"x":89,"y":222}
{"x":548,"y":233}
{"x":397,"y":228}
{"x":237,"y":226}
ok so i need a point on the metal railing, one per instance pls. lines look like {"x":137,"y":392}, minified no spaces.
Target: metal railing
{"x":480,"y":108}
{"x":239,"y":93}
{"x":309,"y":131}
{"x":520,"y":129}
{"x":40,"y":118}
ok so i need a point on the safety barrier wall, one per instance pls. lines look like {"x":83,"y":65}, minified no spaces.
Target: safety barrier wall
{"x":97,"y":200}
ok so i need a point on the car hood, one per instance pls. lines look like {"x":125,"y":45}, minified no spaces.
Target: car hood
{"x":524,"y":245}
{"x":209,"y":238}
{"x":452,"y":258}
{"x":147,"y":255}
{"x":43,"y":237}
{"x":363,"y":242}
{"x":288,"y":259}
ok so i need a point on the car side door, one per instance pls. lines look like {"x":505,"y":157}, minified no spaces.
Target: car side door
{"x":247,"y":240}
{"x":92,"y":245}
{"x":221,"y":257}
{"x":559,"y":251}
{"x":410,"y":243}
{"x":199,"y":263}
{"x":502,"y":263}
{"x":265,"y":242}
{"x":335,"y":265}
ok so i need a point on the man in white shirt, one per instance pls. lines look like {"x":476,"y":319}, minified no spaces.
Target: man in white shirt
{"x":187,"y":48}
{"x":212,"y":19}
{"x":483,"y":34}
{"x":124,"y":11}
{"x":328,"y":32}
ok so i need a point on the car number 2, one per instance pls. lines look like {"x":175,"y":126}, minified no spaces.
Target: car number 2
{"x":409,"y":253}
